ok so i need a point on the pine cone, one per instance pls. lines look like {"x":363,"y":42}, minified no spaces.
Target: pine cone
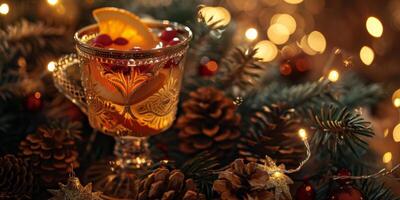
{"x":273,"y":133}
{"x":168,"y":185}
{"x":53,"y":154}
{"x":242,"y":181}
{"x":16,"y":178}
{"x":209,"y":122}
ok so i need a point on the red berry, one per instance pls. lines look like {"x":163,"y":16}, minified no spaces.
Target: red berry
{"x":174,"y":41}
{"x":285,"y":69}
{"x":33,"y":102}
{"x":102,"y":39}
{"x":209,"y":69}
{"x":121,"y":41}
{"x":168,"y":34}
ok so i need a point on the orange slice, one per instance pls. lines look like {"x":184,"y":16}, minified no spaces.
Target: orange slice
{"x":118,"y":22}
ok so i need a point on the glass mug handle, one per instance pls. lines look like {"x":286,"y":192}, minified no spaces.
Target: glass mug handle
{"x":66,"y":82}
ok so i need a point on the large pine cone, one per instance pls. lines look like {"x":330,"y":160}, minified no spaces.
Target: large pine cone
{"x":16,"y":178}
{"x":273,"y":132}
{"x":163,"y":184}
{"x":53,"y":154}
{"x":242,"y":181}
{"x":209,"y":122}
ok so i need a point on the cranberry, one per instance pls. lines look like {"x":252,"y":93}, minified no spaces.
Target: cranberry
{"x":103,"y":39}
{"x":168,"y":34}
{"x":120,"y":41}
{"x":174,"y":41}
{"x":209,"y":69}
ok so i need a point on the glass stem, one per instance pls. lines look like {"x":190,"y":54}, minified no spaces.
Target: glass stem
{"x":132,"y":153}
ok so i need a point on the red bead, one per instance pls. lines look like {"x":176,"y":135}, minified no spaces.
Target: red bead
{"x":103,"y":39}
{"x":174,"y":41}
{"x":168,"y":34}
{"x":346,"y":192}
{"x":285,"y":69}
{"x":209,"y":69}
{"x":305,"y":192}
{"x":120,"y":41}
{"x":302,"y":65}
{"x":33,"y":102}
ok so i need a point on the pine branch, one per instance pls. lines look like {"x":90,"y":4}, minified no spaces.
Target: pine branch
{"x":359,"y":94}
{"x":339,"y":128}
{"x":241,"y":69}
{"x":201,"y":169}
{"x":25,"y":38}
{"x":301,"y":96}
{"x":373,"y":190}
{"x":9,"y":87}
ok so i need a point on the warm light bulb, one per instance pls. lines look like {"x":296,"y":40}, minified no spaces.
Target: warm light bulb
{"x":303,"y":133}
{"x":316,"y":41}
{"x":51,"y":66}
{"x":374,"y":27}
{"x":4,"y":9}
{"x":278,"y":33}
{"x":293,"y":1}
{"x":333,"y":75}
{"x":286,"y":20}
{"x":216,"y":16}
{"x":304,"y":46}
{"x":251,"y":34}
{"x":396,"y":133}
{"x":277,"y":174}
{"x":266,"y":51}
{"x":367,"y":55}
{"x":387,"y":157}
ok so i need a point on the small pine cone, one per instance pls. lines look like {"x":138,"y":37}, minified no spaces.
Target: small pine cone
{"x":168,"y":185}
{"x":242,"y":181}
{"x":209,"y":122}
{"x":53,"y":154}
{"x":16,"y":178}
{"x":274,"y":132}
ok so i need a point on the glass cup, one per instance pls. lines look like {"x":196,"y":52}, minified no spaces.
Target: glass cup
{"x":126,"y":94}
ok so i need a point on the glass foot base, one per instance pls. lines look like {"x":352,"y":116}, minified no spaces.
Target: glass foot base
{"x":118,"y":178}
{"x":115,"y":183}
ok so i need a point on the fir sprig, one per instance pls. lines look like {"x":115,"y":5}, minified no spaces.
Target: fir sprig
{"x":310,"y":94}
{"x":241,"y":69}
{"x":26,"y":38}
{"x":339,"y":128}
{"x":373,"y":190}
{"x":361,"y":95}
{"x":202,"y":169}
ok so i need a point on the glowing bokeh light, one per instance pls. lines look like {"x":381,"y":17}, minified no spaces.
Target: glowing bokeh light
{"x":251,"y":34}
{"x":278,"y":33}
{"x":293,"y":1}
{"x":386,"y":132}
{"x":387,"y":157}
{"x":216,"y":16}
{"x":374,"y":27}
{"x":52,"y":2}
{"x":367,"y":55}
{"x":396,"y":98}
{"x":333,"y":75}
{"x":266,"y":51}
{"x":396,"y":133}
{"x":4,"y":9}
{"x":316,"y":41}
{"x":51,"y":66}
{"x":304,"y":46}
{"x":286,"y":20}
